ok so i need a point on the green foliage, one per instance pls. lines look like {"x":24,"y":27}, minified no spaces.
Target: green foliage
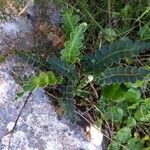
{"x":109,"y":34}
{"x":131,"y":122}
{"x":32,"y":59}
{"x":62,"y":67}
{"x":114,"y":113}
{"x":75,"y":34}
{"x":68,"y":95}
{"x":135,"y":144}
{"x":121,"y":74}
{"x":142,"y":114}
{"x":114,"y":146}
{"x":132,"y":96}
{"x":84,"y":82}
{"x":144,"y":32}
{"x":114,"y":92}
{"x":113,"y":53}
{"x":44,"y":79}
{"x":123,"y":135}
{"x":72,"y":48}
{"x":126,"y":110}
{"x":70,"y":21}
{"x":118,"y":83}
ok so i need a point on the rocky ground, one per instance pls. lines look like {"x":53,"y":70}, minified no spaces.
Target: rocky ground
{"x":38,"y":127}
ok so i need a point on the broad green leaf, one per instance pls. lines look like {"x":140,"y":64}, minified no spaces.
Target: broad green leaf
{"x":147,"y":103}
{"x":114,"y":146}
{"x":123,"y":135}
{"x":114,"y":113}
{"x":142,"y":114}
{"x":137,"y":84}
{"x":134,"y":106}
{"x":132,"y":96}
{"x":113,"y":92}
{"x":131,"y":122}
{"x":126,"y":11}
{"x":135,"y":144}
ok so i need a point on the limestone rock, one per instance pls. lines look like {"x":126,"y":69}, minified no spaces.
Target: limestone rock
{"x":38,"y":127}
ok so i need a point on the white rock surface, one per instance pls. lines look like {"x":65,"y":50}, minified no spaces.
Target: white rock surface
{"x":38,"y":126}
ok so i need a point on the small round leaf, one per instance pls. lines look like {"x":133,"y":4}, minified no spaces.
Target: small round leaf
{"x":131,"y":122}
{"x":123,"y":135}
{"x":135,"y":144}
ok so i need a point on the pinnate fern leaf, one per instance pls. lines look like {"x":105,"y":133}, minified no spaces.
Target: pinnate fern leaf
{"x":69,"y":21}
{"x":72,"y":48}
{"x":68,"y":95}
{"x":114,"y":53}
{"x":32,"y":59}
{"x":44,"y":79}
{"x":63,"y":68}
{"x":60,"y":66}
{"x":121,"y":74}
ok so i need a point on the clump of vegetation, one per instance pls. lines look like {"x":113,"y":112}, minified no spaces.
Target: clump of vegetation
{"x":103,"y":68}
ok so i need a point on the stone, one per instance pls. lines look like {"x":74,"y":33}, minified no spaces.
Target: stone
{"x":38,"y":127}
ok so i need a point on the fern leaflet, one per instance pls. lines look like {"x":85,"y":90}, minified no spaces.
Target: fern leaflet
{"x":72,"y":48}
{"x":63,"y":68}
{"x":121,"y":74}
{"x":44,"y":79}
{"x":32,"y":59}
{"x":68,"y":95}
{"x":69,"y":21}
{"x":113,"y":53}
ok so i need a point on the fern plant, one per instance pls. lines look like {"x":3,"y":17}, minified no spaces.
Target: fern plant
{"x":44,"y":79}
{"x":102,"y":68}
{"x":75,"y":34}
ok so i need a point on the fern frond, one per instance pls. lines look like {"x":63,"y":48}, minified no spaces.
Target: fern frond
{"x":69,"y":21}
{"x":44,"y":79}
{"x":60,"y":66}
{"x":63,"y":68}
{"x":113,"y":53}
{"x":32,"y":59}
{"x":121,"y":74}
{"x":68,"y":95}
{"x":72,"y":48}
